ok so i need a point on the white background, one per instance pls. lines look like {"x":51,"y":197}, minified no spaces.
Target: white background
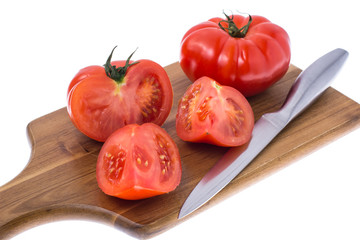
{"x":44,"y":43}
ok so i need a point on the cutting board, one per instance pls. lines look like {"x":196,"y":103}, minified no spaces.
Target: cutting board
{"x":59,"y":181}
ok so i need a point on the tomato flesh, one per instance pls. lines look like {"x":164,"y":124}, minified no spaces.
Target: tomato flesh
{"x":211,"y":113}
{"x":138,"y":161}
{"x":149,"y":98}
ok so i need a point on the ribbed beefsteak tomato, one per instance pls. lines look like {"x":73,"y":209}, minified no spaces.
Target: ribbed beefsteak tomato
{"x":247,"y":53}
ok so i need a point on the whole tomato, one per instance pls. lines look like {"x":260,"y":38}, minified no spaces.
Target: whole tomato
{"x":248,"y":53}
{"x":102,"y":99}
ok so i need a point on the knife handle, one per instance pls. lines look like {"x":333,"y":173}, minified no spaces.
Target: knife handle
{"x":312,"y":82}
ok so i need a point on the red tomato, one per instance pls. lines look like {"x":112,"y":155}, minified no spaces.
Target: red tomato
{"x":247,"y":53}
{"x":138,"y":161}
{"x":211,"y":113}
{"x":103,"y":99}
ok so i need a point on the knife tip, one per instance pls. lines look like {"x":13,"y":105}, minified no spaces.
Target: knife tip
{"x":183,"y":212}
{"x":181,"y":215}
{"x":188,"y":207}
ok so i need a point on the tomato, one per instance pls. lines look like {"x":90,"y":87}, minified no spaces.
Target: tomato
{"x":211,"y":113}
{"x":138,"y":161}
{"x":247,"y":53}
{"x":104,"y":99}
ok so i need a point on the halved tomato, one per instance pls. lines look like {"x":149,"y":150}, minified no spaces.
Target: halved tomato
{"x":104,"y":99}
{"x":138,"y":161}
{"x":212,"y":113}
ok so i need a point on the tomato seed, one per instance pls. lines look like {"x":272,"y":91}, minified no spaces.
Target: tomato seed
{"x":144,"y":114}
{"x":114,"y":165}
{"x":236,"y":117}
{"x":188,"y":105}
{"x":151,"y":98}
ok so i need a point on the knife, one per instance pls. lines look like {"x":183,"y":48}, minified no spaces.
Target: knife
{"x":308,"y":86}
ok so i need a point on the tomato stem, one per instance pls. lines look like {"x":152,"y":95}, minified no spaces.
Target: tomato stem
{"x":117,"y":74}
{"x":233,"y":30}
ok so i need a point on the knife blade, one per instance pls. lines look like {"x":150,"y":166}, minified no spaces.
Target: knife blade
{"x":308,"y":86}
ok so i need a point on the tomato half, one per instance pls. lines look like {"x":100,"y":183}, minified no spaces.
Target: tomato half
{"x":211,"y":113}
{"x":104,"y":99}
{"x":247,"y":53}
{"x":138,"y":161}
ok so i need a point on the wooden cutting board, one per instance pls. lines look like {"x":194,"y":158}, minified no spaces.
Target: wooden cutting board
{"x":59,"y":182}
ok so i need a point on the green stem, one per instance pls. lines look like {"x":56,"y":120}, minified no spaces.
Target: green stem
{"x":117,"y":74}
{"x":233,"y":30}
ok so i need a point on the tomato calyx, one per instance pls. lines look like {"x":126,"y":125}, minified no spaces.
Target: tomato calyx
{"x":117,"y":74}
{"x":232,"y":29}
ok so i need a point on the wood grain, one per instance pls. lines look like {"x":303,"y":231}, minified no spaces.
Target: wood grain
{"x":59,"y":181}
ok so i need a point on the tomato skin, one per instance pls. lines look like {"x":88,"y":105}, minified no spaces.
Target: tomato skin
{"x":99,"y":105}
{"x":138,"y":161}
{"x":90,"y":71}
{"x":216,"y":114}
{"x":250,"y":64}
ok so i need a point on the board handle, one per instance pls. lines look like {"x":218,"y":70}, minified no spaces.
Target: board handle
{"x":58,"y":182}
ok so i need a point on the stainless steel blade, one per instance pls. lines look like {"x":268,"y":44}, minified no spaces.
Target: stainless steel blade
{"x":309,"y":85}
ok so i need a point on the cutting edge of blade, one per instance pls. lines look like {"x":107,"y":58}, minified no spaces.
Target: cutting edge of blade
{"x":188,"y":207}
{"x":258,"y":142}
